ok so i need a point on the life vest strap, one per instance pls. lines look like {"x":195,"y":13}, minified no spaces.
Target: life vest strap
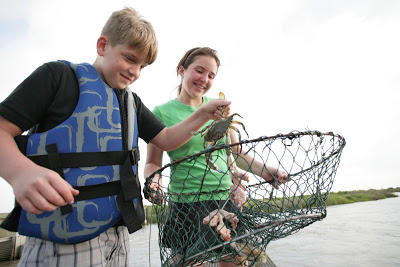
{"x":55,"y":164}
{"x":88,"y":159}
{"x":98,"y":190}
{"x":132,"y":213}
{"x":128,"y":187}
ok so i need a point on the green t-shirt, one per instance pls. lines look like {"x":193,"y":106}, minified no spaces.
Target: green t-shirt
{"x":193,"y":176}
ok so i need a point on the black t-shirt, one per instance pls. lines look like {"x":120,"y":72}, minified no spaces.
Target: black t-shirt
{"x":49,"y":96}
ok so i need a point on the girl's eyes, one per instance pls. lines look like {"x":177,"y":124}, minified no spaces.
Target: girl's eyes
{"x":201,"y":71}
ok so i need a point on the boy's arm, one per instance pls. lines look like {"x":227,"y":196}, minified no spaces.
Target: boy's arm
{"x":36,"y":189}
{"x":177,"y":135}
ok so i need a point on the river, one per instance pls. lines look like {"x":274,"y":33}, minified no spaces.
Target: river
{"x":359,"y":234}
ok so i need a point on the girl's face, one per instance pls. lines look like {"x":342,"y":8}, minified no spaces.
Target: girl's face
{"x":198,"y":78}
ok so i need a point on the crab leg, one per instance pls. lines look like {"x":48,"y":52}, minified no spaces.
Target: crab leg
{"x":236,"y":130}
{"x":240,"y":137}
{"x":229,"y":157}
{"x":244,"y":128}
{"x":222,"y":97}
{"x":208,"y":156}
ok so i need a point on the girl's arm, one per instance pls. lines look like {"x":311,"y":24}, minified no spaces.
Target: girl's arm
{"x":153,"y":163}
{"x":248,"y":163}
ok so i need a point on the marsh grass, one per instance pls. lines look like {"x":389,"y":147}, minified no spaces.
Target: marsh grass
{"x":347,"y":197}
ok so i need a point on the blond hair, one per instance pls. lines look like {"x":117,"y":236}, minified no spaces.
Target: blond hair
{"x":126,"y":26}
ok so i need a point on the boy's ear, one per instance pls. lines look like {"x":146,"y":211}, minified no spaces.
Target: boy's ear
{"x":101,"y":45}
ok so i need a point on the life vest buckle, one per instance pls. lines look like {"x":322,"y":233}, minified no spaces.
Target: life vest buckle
{"x":134,"y":156}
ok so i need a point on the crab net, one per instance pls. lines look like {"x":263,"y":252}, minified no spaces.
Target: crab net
{"x":198,"y":220}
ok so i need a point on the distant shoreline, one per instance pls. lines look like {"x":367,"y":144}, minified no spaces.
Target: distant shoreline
{"x":348,"y":197}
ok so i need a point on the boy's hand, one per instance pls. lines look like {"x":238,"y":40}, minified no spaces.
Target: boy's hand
{"x":39,"y":189}
{"x":36,"y":189}
{"x":214,"y":108}
{"x":175,"y":136}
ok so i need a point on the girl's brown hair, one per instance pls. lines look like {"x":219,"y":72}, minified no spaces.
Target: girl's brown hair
{"x":190,"y":56}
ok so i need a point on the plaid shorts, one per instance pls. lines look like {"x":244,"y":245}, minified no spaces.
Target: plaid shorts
{"x":109,"y":249}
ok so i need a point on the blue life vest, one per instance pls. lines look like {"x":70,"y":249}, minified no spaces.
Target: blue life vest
{"x":95,"y":150}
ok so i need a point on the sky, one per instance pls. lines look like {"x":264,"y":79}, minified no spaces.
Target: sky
{"x":286,"y":66}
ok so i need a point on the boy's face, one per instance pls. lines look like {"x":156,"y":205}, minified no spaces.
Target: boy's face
{"x":120,"y":65}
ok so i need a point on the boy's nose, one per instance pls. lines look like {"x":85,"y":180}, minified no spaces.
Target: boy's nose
{"x":135,"y":71}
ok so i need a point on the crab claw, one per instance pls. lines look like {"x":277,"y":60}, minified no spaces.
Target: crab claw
{"x":210,"y":163}
{"x":216,"y":219}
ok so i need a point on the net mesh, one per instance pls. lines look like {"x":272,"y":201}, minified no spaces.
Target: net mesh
{"x":198,"y":221}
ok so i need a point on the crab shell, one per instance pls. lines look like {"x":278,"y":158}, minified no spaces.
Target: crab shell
{"x":218,"y":129}
{"x":250,"y":253}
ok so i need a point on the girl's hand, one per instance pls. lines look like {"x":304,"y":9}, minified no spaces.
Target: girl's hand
{"x":156,"y":194}
{"x":238,"y":176}
{"x":278,"y":177}
{"x":238,"y":195}
{"x":238,"y":190}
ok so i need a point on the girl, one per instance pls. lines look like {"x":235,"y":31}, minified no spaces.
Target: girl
{"x":196,"y":190}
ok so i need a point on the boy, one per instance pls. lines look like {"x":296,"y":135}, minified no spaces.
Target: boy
{"x":76,"y":178}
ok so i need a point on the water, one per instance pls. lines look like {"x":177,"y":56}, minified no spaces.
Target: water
{"x":359,"y":234}
{"x":140,"y":242}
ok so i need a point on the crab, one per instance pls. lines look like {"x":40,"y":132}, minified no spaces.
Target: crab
{"x":216,"y":131}
{"x":216,"y":219}
{"x":245,"y":252}
{"x":250,"y":253}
